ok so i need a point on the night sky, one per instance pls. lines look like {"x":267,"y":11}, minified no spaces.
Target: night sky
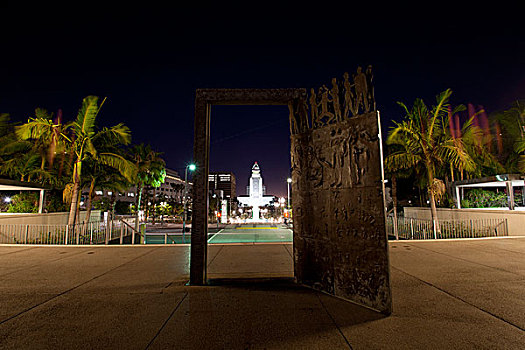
{"x":149,"y":61}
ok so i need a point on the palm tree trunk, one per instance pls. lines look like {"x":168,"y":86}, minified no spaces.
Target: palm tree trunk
{"x":74,"y":204}
{"x":42,"y":166}
{"x":154,"y":204}
{"x":113,"y":204}
{"x":433,"y":211}
{"x":394,"y":202}
{"x":89,"y":200}
{"x":139,"y":198}
{"x":73,"y":209}
{"x":433,"y":208}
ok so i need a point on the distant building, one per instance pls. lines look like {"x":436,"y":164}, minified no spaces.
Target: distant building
{"x":172,"y":189}
{"x":173,"y":186}
{"x":223,"y":181}
{"x":256,"y":194}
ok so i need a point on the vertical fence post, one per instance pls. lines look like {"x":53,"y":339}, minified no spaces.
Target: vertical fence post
{"x":411,"y":229}
{"x":90,"y":233}
{"x":121,"y":234}
{"x":108,"y":231}
{"x":77,"y":229}
{"x":435,"y":229}
{"x":133,"y":236}
{"x":27,"y":234}
{"x":67,"y":233}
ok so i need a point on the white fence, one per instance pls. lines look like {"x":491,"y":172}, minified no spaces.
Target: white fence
{"x":515,"y":218}
{"x":97,"y":232}
{"x":409,"y":228}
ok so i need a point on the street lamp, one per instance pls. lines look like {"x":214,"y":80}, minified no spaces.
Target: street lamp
{"x":191,"y":167}
{"x":289,"y":181}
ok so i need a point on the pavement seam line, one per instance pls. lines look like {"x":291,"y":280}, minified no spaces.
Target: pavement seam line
{"x":44,"y":262}
{"x":17,"y":251}
{"x":213,"y":259}
{"x":72,"y":288}
{"x":333,"y":321}
{"x":289,"y":253}
{"x":460,"y":299}
{"x":167,"y":320}
{"x":470,"y":261}
{"x":480,"y":248}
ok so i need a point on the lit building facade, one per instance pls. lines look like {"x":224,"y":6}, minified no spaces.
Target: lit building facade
{"x":171,"y":190}
{"x":223,"y":181}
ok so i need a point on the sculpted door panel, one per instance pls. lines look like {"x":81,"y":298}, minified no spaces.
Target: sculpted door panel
{"x":340,"y":242}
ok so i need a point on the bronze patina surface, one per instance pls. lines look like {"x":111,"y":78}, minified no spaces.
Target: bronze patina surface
{"x":340,"y":242}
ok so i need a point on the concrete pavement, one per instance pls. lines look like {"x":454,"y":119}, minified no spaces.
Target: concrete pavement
{"x":447,"y":294}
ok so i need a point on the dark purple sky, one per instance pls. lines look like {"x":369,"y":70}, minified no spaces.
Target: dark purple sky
{"x":148,"y":61}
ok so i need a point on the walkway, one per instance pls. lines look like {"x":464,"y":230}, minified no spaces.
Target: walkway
{"x":447,"y":294}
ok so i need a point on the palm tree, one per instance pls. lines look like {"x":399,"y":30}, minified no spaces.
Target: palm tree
{"x":395,"y":169}
{"x":83,"y":141}
{"x":48,"y":137}
{"x":150,"y":172}
{"x":520,"y":148}
{"x":422,"y":141}
{"x":103,"y":177}
{"x":510,"y":130}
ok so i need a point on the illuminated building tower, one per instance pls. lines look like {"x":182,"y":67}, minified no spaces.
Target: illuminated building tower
{"x":256,"y":197}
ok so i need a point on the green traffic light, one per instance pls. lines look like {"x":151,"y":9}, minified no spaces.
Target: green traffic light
{"x":192,"y":167}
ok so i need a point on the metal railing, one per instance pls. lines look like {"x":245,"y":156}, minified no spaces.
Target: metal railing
{"x":97,"y":232}
{"x":408,"y":228}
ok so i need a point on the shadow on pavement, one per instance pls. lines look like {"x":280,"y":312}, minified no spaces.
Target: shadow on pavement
{"x":261,"y":313}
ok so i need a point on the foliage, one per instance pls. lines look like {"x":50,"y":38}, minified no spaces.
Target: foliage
{"x":69,"y":157}
{"x":510,"y":133}
{"x":150,"y":166}
{"x":150,"y":172}
{"x":422,"y":142}
{"x":478,"y":198}
{"x":54,"y":202}
{"x":25,"y":202}
{"x":102,"y":204}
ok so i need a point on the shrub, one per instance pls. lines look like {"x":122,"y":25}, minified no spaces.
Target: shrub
{"x":478,"y":198}
{"x":25,"y":202}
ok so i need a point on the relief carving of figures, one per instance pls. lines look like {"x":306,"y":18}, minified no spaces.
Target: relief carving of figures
{"x":315,"y":172}
{"x":360,"y":147}
{"x":294,"y":128}
{"x":325,"y":112}
{"x":298,"y":116}
{"x":314,"y":109}
{"x":361,"y":90}
{"x":350,"y":106}
{"x":296,"y":156}
{"x":334,"y":92}
{"x":354,"y":97}
{"x":318,"y":163}
{"x":370,"y":96}
{"x":339,"y":148}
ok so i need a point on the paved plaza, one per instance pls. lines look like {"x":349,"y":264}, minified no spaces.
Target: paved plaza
{"x":447,"y":294}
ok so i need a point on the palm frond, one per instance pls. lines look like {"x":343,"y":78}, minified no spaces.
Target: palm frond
{"x":85,"y":122}
{"x":116,"y":161}
{"x":401,"y":160}
{"x":116,"y":135}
